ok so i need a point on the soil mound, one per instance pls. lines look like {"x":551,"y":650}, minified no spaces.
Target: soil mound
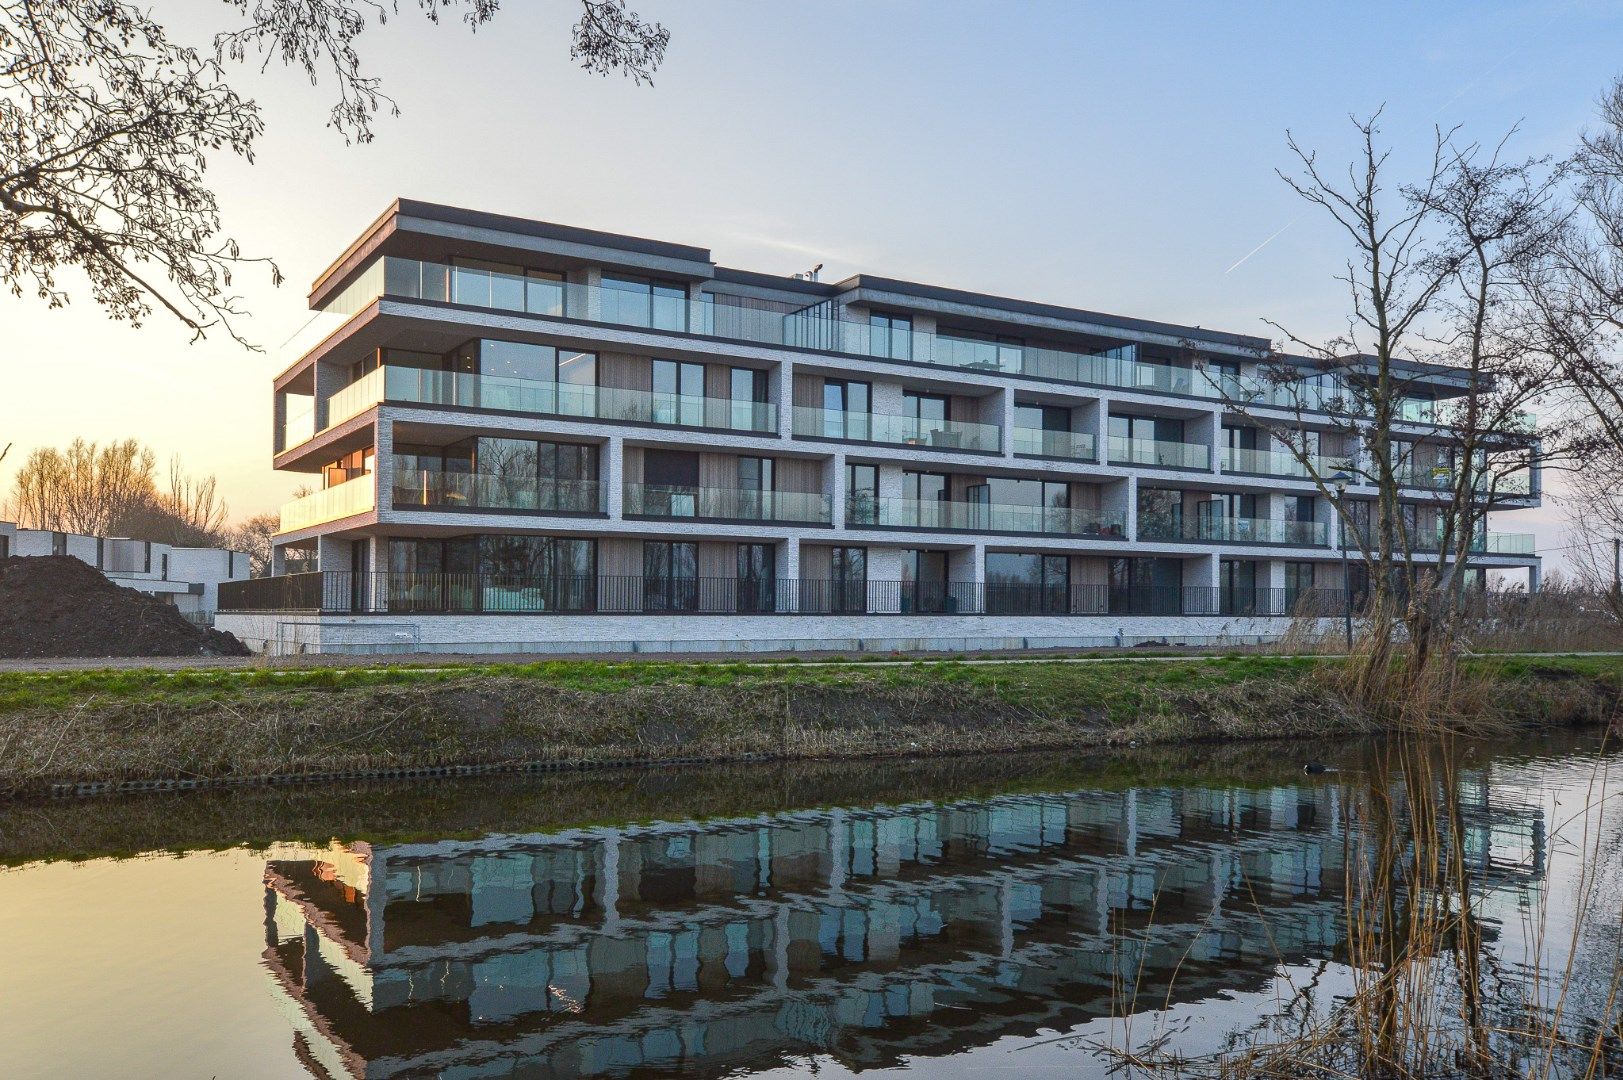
{"x":55,"y":605}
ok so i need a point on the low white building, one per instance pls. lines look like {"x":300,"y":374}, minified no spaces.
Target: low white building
{"x":186,"y":577}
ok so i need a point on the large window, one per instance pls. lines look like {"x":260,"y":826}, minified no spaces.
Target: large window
{"x":1160,"y":428}
{"x":861,"y":494}
{"x":671,"y":487}
{"x":929,"y":409}
{"x":891,"y":336}
{"x":499,"y":474}
{"x":747,"y":388}
{"x":757,"y":577}
{"x":1026,"y":583}
{"x":1146,"y":586}
{"x":1043,"y":417}
{"x":636,"y":302}
{"x":492,"y":573}
{"x":846,"y":408}
{"x":848,"y":580}
{"x":1160,"y":513}
{"x":537,"y":573}
{"x":670,"y":575}
{"x":1237,"y":587}
{"x":924,"y":581}
{"x":678,"y":393}
{"x":516,"y":376}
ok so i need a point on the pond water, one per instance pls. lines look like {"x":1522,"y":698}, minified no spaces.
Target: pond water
{"x":1004,"y":915}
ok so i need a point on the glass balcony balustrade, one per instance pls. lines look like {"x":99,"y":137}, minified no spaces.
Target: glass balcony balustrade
{"x":1159,"y":452}
{"x":1442,"y":478}
{"x":993,"y":517}
{"x":818,"y":327}
{"x":895,"y":430}
{"x":299,"y":421}
{"x":427,"y":387}
{"x":1232,"y":530}
{"x":1483,"y":543}
{"x":1072,"y":445}
{"x":482,"y":491}
{"x":726,"y":504}
{"x":1281,"y":463}
{"x":355,"y":496}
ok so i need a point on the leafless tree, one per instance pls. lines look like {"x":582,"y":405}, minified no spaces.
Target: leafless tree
{"x":253,"y":535}
{"x":87,"y":488}
{"x":1432,"y":297}
{"x":112,"y":490}
{"x":107,"y":124}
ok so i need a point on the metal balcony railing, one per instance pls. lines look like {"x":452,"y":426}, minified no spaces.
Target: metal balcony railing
{"x":347,"y":592}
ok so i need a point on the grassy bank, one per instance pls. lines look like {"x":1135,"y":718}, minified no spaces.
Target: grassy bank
{"x":128,"y":726}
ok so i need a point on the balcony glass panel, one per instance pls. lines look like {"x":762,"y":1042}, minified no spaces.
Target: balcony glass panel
{"x":356,"y":496}
{"x":299,"y":421}
{"x":1278,"y":463}
{"x":1235,"y":530}
{"x":727,"y":504}
{"x":631,"y":303}
{"x":1178,"y":455}
{"x":354,"y":399}
{"x":1075,"y":445}
{"x":563,"y":399}
{"x":895,"y":430}
{"x":433,"y":488}
{"x":1000,"y":517}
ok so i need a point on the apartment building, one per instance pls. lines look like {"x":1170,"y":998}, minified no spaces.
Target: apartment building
{"x":187,"y":578}
{"x":528,"y":436}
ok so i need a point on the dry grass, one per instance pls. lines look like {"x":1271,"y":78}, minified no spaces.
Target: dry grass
{"x":1429,"y":999}
{"x":126,"y":729}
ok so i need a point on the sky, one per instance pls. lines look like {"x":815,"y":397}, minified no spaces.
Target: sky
{"x":1119,"y":158}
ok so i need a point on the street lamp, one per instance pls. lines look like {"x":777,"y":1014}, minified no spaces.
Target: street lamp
{"x":1340,"y":480}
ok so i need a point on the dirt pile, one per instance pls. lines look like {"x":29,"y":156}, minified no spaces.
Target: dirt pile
{"x":56,"y":605}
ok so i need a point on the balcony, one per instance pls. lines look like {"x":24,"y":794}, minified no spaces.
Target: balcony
{"x":481,"y":491}
{"x":811,"y":422}
{"x":726,"y":504}
{"x":356,"y":496}
{"x":986,"y":517}
{"x":1071,"y":445}
{"x":1430,"y":543}
{"x":817,"y":327}
{"x":1281,"y":463}
{"x":1160,"y":453}
{"x":1442,"y":478}
{"x":462,"y":390}
{"x":1233,"y":530}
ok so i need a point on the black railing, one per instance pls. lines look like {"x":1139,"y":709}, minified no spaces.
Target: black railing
{"x":449,"y":593}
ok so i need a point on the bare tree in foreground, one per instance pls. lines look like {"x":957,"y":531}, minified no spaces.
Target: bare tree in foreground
{"x":1434,"y":296}
{"x":107,"y":124}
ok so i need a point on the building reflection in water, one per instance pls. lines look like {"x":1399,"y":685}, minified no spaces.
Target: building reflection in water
{"x":868,"y":934}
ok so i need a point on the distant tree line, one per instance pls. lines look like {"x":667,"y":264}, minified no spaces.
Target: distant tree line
{"x":115,"y":489}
